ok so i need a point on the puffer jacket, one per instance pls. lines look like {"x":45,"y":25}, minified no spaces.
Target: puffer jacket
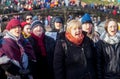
{"x":77,"y":62}
{"x":108,"y":60}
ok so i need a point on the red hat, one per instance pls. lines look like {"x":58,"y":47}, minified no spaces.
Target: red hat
{"x":24,"y":23}
{"x":13,"y":23}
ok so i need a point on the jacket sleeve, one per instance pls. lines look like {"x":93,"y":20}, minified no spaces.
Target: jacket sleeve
{"x":59,"y":60}
{"x":99,"y":60}
{"x":11,"y":68}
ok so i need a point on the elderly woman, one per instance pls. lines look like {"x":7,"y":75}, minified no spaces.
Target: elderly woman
{"x":44,"y":50}
{"x":108,"y":52}
{"x":15,"y":52}
{"x":73,"y":56}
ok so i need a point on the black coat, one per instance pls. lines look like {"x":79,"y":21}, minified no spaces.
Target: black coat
{"x":77,"y":62}
{"x":105,"y":52}
{"x":44,"y":64}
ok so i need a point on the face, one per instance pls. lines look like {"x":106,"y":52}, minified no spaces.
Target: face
{"x":112,"y":28}
{"x":87,"y":27}
{"x":29,"y":19}
{"x":76,"y":32}
{"x":16,"y":31}
{"x":26,"y":29}
{"x":38,"y":30}
{"x":58,"y":25}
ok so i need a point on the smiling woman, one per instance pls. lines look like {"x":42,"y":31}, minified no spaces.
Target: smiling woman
{"x":108,"y":52}
{"x":74,"y":59}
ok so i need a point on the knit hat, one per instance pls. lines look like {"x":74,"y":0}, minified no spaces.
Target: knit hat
{"x":13,"y":23}
{"x":24,"y":24}
{"x":86,"y":18}
{"x":36,"y":23}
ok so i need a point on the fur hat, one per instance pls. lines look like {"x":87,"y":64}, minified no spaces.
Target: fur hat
{"x":86,"y":18}
{"x":13,"y":23}
{"x":36,"y":23}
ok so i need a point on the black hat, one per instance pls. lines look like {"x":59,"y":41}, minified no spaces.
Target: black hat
{"x":58,"y":20}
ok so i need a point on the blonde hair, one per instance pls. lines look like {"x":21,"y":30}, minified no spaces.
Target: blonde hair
{"x":73,"y":23}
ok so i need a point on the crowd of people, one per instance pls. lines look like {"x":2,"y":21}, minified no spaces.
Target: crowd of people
{"x":28,"y":50}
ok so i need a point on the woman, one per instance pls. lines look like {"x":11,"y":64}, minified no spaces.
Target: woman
{"x":57,"y":27}
{"x":73,"y":56}
{"x":108,"y":52}
{"x":44,"y":50}
{"x":88,"y":27}
{"x":15,"y":52}
{"x":25,"y":29}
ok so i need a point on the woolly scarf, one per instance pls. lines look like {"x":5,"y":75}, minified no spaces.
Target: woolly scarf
{"x":74,"y":40}
{"x":40,"y":43}
{"x":111,"y":39}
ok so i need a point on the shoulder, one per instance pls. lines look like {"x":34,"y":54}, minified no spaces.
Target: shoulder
{"x":49,"y":39}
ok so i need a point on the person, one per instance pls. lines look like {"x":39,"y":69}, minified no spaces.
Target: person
{"x":28,"y":18}
{"x":15,"y":52}
{"x":88,"y":27}
{"x":57,"y":27}
{"x":25,"y":29}
{"x":108,"y":52}
{"x":44,"y":50}
{"x":73,"y":56}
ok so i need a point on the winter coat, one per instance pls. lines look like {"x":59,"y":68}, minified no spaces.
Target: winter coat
{"x":105,"y":52}
{"x":77,"y":62}
{"x":44,"y":63}
{"x":13,"y":51}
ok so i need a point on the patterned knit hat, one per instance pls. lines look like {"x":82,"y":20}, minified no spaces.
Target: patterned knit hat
{"x":36,"y":23}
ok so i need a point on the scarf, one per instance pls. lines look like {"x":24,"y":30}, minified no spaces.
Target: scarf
{"x":76,"y":41}
{"x":111,"y":39}
{"x":25,"y":36}
{"x":40,"y":43}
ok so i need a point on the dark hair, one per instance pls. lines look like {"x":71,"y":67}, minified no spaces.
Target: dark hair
{"x":27,"y":14}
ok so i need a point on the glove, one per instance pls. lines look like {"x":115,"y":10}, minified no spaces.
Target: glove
{"x":4,"y":60}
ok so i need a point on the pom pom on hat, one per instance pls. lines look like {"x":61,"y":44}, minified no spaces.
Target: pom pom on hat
{"x":36,"y":23}
{"x":13,"y":23}
{"x":86,"y":18}
{"x":24,"y":23}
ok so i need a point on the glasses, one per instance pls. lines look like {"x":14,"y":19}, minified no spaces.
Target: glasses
{"x":28,"y":18}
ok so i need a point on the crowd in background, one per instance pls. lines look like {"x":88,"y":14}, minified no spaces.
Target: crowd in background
{"x":37,"y":47}
{"x":12,"y":6}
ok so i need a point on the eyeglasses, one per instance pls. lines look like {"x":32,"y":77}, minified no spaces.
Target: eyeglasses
{"x":28,"y":18}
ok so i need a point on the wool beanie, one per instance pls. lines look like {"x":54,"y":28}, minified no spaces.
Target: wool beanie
{"x":24,"y":24}
{"x":86,"y":18}
{"x":13,"y":23}
{"x":36,"y":23}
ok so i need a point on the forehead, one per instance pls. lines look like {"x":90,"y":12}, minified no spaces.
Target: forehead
{"x":27,"y":26}
{"x":28,"y":16}
{"x":112,"y":23}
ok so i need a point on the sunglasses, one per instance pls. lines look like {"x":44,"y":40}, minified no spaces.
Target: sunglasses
{"x":28,"y":18}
